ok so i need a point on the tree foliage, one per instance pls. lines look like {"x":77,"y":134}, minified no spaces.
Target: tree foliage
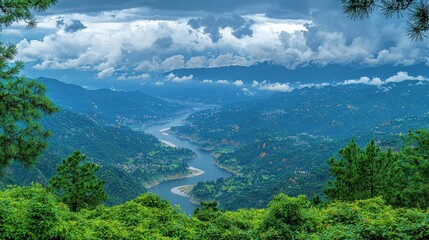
{"x":76,"y":183}
{"x":416,"y":169}
{"x":401,"y":178}
{"x":362,"y":173}
{"x":22,"y":101}
{"x":33,"y":213}
{"x":285,"y":217}
{"x":12,"y":11}
{"x":417,"y":13}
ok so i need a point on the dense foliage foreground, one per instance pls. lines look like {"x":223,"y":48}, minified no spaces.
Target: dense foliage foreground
{"x":34,"y":213}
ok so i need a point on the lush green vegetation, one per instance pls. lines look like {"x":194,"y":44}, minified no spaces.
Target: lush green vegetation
{"x":111,"y":107}
{"x":128,"y":160}
{"x":267,"y":167}
{"x":33,"y":213}
{"x":281,"y":144}
{"x":400,"y":177}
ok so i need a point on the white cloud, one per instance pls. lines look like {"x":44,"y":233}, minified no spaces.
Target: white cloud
{"x":207,"y":81}
{"x":403,"y":76}
{"x":222,"y":82}
{"x":247,"y":92}
{"x":277,"y":87}
{"x":196,"y":62}
{"x":123,"y":40}
{"x":106,"y":73}
{"x":183,"y":79}
{"x":255,"y":84}
{"x":314,"y":85}
{"x":238,"y":83}
{"x":229,"y":59}
{"x":364,"y":80}
{"x":376,"y":81}
{"x":170,"y":76}
{"x":173,"y":63}
{"x":135,"y":77}
{"x":149,"y":65}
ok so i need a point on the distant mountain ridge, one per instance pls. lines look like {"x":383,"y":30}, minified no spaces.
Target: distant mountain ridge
{"x":281,"y":144}
{"x":129,"y":160}
{"x":96,"y":123}
{"x":108,"y":106}
{"x":309,"y":73}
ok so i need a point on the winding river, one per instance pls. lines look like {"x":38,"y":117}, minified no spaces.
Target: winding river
{"x":204,"y":162}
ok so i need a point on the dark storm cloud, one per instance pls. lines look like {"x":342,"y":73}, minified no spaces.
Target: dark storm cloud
{"x":274,"y":8}
{"x":60,"y":23}
{"x":163,"y":42}
{"x":75,"y":26}
{"x":211,"y":26}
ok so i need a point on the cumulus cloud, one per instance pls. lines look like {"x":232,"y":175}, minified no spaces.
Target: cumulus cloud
{"x":277,"y":87}
{"x":207,"y":81}
{"x":173,"y":63}
{"x":314,"y":85}
{"x":364,"y":80}
{"x":138,"y":40}
{"x":211,"y":26}
{"x":106,"y":72}
{"x":184,"y":79}
{"x":376,"y":81}
{"x":247,"y":92}
{"x":149,"y":65}
{"x":196,"y":62}
{"x":238,"y":83}
{"x":163,"y":42}
{"x":143,"y":76}
{"x":403,"y":76}
{"x":222,"y":82}
{"x":75,"y":26}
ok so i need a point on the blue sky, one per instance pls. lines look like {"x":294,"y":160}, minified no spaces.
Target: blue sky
{"x":139,"y":40}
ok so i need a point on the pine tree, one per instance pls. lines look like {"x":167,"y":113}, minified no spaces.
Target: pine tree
{"x":364,"y":173}
{"x":75,"y":183}
{"x":417,"y":11}
{"x":415,"y":157}
{"x":22,"y":101}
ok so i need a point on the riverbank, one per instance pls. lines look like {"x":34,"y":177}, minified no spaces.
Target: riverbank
{"x":221,"y":166}
{"x":170,"y":144}
{"x":182,"y":190}
{"x":193,"y":173}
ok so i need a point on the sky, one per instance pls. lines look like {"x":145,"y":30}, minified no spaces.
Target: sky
{"x":132,"y":40}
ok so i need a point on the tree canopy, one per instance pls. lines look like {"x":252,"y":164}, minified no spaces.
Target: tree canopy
{"x":12,"y":11}
{"x":76,"y":183}
{"x":22,"y":101}
{"x":417,"y":13}
{"x":401,"y":178}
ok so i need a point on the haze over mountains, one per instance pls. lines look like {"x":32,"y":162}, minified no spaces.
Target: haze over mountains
{"x":98,"y":123}
{"x":281,"y":143}
{"x":112,"y":107}
{"x":261,"y":119}
{"x":305,"y":125}
{"x":223,"y":85}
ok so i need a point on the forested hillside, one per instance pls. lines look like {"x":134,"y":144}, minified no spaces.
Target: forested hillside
{"x":129,"y":160}
{"x":97,"y":122}
{"x":111,"y":107}
{"x":281,"y":144}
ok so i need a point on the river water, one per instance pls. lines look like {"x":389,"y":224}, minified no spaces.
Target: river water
{"x":204,"y":162}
